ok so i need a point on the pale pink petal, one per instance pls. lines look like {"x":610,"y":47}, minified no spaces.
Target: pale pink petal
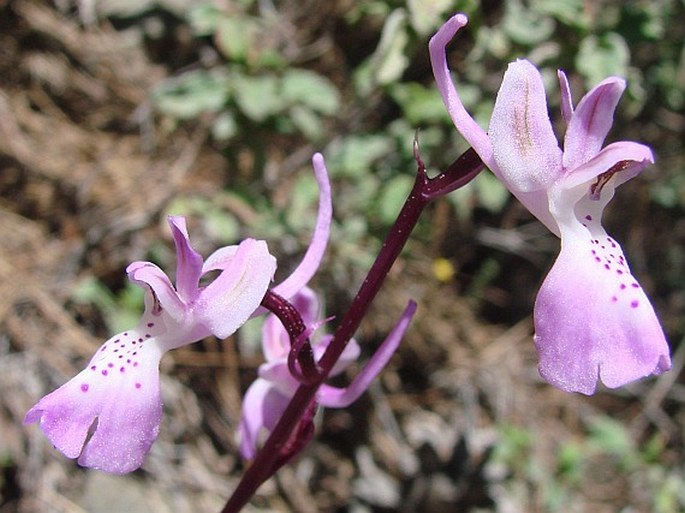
{"x":466,"y":125}
{"x":263,"y":406}
{"x":219,"y":259}
{"x":275,"y":340}
{"x":152,"y":278}
{"x":625,"y":159}
{"x":591,"y":122}
{"x":108,"y":416}
{"x":524,"y":145}
{"x":341,"y":398}
{"x":228,"y":302}
{"x":537,"y":203}
{"x":278,"y":374}
{"x":317,"y":247}
{"x":566,"y":98}
{"x":347,"y":357}
{"x":188,"y":261}
{"x":593,"y":320}
{"x":580,"y":197}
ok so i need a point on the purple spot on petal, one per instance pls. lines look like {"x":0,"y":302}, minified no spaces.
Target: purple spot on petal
{"x":634,"y":303}
{"x":84,"y":387}
{"x":623,"y":286}
{"x":135,"y":364}
{"x":110,"y":365}
{"x":597,"y":259}
{"x":122,"y":369}
{"x":104,"y":372}
{"x":150,"y":324}
{"x":618,"y":271}
{"x":138,"y":385}
{"x":588,"y":217}
{"x":635,"y":286}
{"x":614,"y":299}
{"x":607,"y":266}
{"x":93,"y":367}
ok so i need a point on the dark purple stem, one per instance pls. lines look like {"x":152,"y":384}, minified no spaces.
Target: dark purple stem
{"x":301,"y":350}
{"x":275,"y":452}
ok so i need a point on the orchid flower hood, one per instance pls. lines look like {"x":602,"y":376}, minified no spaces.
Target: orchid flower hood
{"x":592,"y":319}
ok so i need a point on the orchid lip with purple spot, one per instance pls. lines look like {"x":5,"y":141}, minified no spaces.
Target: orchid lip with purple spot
{"x":109,"y":420}
{"x":579,"y":341}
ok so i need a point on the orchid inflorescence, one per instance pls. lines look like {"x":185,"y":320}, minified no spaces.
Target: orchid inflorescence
{"x":593,"y":321}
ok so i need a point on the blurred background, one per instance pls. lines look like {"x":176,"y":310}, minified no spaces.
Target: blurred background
{"x":116,"y":113}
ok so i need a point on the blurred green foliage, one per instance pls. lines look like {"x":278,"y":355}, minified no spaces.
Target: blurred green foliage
{"x":606,"y":453}
{"x":277,"y":81}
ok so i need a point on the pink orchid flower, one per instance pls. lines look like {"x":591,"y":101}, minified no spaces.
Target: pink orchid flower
{"x":267,"y":398}
{"x":592,"y":319}
{"x":109,"y":415}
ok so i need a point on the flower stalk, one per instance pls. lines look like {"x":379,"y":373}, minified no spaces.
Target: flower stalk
{"x":301,"y":350}
{"x":294,"y":428}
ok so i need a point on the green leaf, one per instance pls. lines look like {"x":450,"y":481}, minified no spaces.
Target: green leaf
{"x":354,"y":155}
{"x":427,"y":15}
{"x":225,"y":126}
{"x":570,"y":12}
{"x":204,"y":19}
{"x":570,"y":460}
{"x":121,"y":311}
{"x":610,"y":436}
{"x":221,"y":226}
{"x":392,"y":196}
{"x":388,"y":61}
{"x":236,"y":36}
{"x":302,"y":205}
{"x":257,"y":97}
{"x":492,"y":195}
{"x":420,"y":105}
{"x":190,"y":94}
{"x":307,"y":122}
{"x":310,"y":89}
{"x":602,"y":56}
{"x":525,"y":26}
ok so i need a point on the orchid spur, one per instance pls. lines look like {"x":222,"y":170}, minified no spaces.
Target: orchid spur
{"x":592,"y":319}
{"x":266,"y":399}
{"x":109,"y":415}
